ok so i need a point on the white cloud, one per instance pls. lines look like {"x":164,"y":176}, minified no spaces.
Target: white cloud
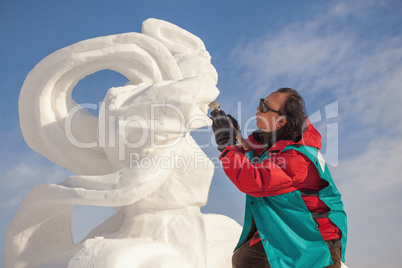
{"x":371,"y":187}
{"x":300,"y":53}
{"x":31,"y":169}
{"x":373,"y":170}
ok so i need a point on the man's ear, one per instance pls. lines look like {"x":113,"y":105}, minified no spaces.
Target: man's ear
{"x":281,"y":121}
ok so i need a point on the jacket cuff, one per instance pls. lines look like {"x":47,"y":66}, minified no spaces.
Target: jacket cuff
{"x":229,"y":148}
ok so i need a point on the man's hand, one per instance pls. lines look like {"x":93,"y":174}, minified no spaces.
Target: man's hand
{"x":234,"y":122}
{"x":223,"y":129}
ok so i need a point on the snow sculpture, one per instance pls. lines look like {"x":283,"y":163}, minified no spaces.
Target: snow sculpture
{"x":158,"y":222}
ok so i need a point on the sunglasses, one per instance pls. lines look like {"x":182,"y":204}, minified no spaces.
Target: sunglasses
{"x":264,"y":108}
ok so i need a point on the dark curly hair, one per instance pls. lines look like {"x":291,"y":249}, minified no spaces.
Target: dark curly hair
{"x":295,"y":112}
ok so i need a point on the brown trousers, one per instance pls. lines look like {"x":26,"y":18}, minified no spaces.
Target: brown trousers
{"x":254,"y":257}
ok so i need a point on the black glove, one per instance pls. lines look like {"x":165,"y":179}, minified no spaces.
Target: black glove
{"x":234,"y":123}
{"x":224,"y":132}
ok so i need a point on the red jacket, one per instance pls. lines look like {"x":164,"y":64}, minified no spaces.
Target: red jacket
{"x":281,"y":173}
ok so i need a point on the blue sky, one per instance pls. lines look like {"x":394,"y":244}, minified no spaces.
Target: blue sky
{"x":344,"y":57}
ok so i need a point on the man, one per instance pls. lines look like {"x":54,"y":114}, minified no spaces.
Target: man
{"x":294,"y":215}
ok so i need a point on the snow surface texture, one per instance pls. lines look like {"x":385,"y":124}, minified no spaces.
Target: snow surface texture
{"x":158,"y":222}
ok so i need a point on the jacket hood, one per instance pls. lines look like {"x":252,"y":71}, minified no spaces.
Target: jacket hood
{"x":311,"y":137}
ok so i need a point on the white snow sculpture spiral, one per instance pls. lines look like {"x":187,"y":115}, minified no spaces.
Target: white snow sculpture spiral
{"x":158,"y":221}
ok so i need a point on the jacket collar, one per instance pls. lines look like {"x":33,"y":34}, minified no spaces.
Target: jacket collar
{"x":258,"y":140}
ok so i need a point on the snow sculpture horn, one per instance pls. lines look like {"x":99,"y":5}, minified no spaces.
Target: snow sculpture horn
{"x":171,"y":83}
{"x":45,"y":98}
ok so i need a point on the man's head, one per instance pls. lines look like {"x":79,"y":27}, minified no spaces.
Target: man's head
{"x":282,"y":110}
